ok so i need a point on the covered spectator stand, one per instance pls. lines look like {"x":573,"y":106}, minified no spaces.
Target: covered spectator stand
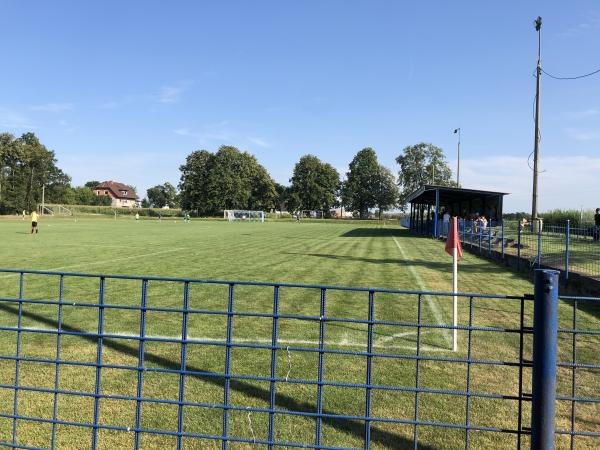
{"x":429,"y":203}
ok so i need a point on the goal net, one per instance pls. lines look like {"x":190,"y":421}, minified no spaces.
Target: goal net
{"x":52,"y":209}
{"x":241,"y":214}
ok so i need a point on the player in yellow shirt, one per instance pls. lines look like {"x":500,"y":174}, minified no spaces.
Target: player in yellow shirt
{"x":34,"y":222}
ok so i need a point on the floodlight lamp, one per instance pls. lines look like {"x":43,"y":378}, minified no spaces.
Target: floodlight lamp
{"x":538,"y":23}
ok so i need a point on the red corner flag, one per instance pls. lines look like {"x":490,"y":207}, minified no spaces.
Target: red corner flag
{"x":453,"y":242}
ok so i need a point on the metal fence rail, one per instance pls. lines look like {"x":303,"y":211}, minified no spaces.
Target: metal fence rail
{"x":256,"y":407}
{"x":571,"y":335}
{"x":565,"y":248}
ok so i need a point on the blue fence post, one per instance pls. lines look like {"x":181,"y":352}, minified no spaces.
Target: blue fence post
{"x":519,"y":246}
{"x":320,"y":369}
{"x":272,"y":392}
{"x":502,"y":241}
{"x":141,"y":368}
{"x":183,"y":364}
{"x":227,"y":382}
{"x":545,"y":329}
{"x":99,"y":363}
{"x":539,"y":244}
{"x":490,"y":239}
{"x":437,"y":212}
{"x":567,"y":245}
{"x":471,"y":240}
{"x":369,"y":380}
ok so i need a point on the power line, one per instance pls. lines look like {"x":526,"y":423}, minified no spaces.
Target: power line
{"x":572,"y":78}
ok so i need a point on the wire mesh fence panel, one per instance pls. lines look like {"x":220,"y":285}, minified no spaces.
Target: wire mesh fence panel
{"x":562,"y":247}
{"x":578,"y":373}
{"x":98,"y":361}
{"x":584,"y":250}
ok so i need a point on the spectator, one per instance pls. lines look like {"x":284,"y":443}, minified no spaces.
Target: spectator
{"x":524,"y":223}
{"x":476,"y":223}
{"x":483,"y":222}
{"x":446,"y":223}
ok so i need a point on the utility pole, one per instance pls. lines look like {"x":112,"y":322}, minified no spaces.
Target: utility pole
{"x":536,"y":140}
{"x":458,"y":159}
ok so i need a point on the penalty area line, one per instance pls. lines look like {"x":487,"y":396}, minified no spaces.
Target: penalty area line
{"x":421,"y":284}
{"x":312,"y":342}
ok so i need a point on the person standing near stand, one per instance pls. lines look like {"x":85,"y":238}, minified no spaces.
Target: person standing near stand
{"x":446,"y":223}
{"x":597,"y":225}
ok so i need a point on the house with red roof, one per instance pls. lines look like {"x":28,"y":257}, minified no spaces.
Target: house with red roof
{"x":121,"y":195}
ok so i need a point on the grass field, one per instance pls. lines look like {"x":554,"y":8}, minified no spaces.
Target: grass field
{"x":332,"y":253}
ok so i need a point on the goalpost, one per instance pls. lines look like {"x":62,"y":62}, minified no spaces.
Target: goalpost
{"x":242,"y":214}
{"x":54,"y":209}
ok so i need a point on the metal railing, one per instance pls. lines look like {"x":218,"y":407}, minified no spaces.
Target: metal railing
{"x":138,"y":341}
{"x":565,"y":248}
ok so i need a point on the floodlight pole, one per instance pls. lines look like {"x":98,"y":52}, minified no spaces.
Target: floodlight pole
{"x":536,"y":140}
{"x":458,"y":159}
{"x":43,"y":197}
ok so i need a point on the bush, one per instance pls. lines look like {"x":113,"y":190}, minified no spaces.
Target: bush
{"x":557,"y":217}
{"x":110,"y":211}
{"x":278,"y":215}
{"x":560,"y":217}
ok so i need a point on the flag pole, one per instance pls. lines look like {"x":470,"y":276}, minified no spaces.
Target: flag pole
{"x":455,"y":299}
{"x":454,"y":249}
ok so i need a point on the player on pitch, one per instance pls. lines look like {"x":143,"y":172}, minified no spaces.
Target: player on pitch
{"x":34,"y":222}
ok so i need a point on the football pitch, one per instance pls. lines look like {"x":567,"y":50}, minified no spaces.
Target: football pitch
{"x":355,"y":254}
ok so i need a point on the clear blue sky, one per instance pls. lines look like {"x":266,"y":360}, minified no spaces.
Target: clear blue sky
{"x":125,"y":90}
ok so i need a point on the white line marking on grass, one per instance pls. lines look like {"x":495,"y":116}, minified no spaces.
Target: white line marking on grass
{"x":97,"y":245}
{"x":434,"y":308}
{"x":380,"y":341}
{"x":286,"y":342}
{"x":106,"y":261}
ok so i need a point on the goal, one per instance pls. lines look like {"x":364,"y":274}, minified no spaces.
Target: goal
{"x":241,"y":214}
{"x":52,"y":209}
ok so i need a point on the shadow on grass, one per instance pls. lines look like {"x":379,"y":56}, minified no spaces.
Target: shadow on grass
{"x":352,"y":427}
{"x":439,"y":265}
{"x":376,"y":232}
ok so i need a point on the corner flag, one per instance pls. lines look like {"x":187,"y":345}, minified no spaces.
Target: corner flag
{"x":453,"y":242}
{"x":454,"y":249}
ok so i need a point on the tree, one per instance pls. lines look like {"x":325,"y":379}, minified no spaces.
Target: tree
{"x":283,"y":192}
{"x":314,"y":185}
{"x":194,"y":181}
{"x":421,"y":164}
{"x":162,"y":195}
{"x":361,"y":184}
{"x":145,"y":203}
{"x":26,"y":169}
{"x":227,"y":179}
{"x":91,"y":184}
{"x":386,"y":190}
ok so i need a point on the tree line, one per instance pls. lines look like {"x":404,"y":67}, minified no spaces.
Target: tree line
{"x":230,"y":179}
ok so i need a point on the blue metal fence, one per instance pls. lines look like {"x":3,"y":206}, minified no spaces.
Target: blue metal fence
{"x":565,"y":248}
{"x":270,"y":396}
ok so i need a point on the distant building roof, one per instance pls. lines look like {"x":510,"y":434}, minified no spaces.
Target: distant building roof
{"x":119,"y":190}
